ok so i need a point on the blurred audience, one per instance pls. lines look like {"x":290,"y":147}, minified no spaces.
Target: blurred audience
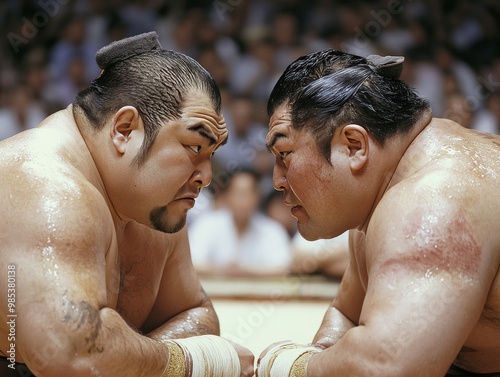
{"x":247,"y":44}
{"x":247,"y":136}
{"x":20,"y":111}
{"x":491,"y":117}
{"x":451,"y":47}
{"x":235,"y":238}
{"x":323,"y":257}
{"x":326,"y":257}
{"x":278,"y":211}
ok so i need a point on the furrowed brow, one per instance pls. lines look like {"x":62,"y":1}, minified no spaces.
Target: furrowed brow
{"x":274,"y":139}
{"x":224,"y":141}
{"x":200,"y":129}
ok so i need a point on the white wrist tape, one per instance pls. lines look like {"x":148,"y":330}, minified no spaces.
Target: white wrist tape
{"x":211,"y":356}
{"x":279,"y":361}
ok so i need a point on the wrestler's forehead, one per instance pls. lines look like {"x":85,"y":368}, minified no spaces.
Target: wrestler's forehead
{"x":279,"y":123}
{"x":280,"y":117}
{"x":198,"y":108}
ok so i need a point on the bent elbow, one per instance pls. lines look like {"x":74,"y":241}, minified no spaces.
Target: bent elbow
{"x":60,"y":366}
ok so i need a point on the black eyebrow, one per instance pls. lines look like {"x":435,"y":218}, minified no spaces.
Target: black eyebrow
{"x":224,"y":141}
{"x":201,"y":129}
{"x":274,"y":139}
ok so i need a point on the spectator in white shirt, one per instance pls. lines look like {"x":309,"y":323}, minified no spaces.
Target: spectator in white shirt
{"x":237,"y":239}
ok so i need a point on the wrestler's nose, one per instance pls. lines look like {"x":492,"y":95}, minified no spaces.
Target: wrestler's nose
{"x":279,"y":178}
{"x":203,"y":174}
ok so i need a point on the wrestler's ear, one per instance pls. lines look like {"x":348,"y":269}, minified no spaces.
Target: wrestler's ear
{"x":126,"y":128}
{"x":356,"y":142}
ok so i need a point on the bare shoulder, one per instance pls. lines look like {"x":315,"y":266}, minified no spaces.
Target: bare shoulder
{"x":451,"y":175}
{"x":45,"y":201}
{"x":441,"y":219}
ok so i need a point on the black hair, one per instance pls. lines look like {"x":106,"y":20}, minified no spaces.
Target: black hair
{"x":154,"y":82}
{"x":330,"y":88}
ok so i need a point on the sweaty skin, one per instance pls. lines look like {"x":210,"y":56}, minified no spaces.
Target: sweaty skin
{"x":96,"y":284}
{"x":422,"y":289}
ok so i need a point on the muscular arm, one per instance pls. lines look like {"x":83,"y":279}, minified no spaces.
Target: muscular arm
{"x":428,"y":283}
{"x":346,"y":308}
{"x":64,"y":325}
{"x":182,"y":308}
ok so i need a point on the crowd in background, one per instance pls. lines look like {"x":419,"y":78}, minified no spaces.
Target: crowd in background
{"x":451,"y":50}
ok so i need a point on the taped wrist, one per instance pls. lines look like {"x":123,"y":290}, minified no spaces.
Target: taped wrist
{"x":201,"y":356}
{"x":286,"y":359}
{"x":177,"y":362}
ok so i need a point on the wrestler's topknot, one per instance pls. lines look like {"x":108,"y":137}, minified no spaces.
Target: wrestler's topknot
{"x":126,"y":48}
{"x":387,"y":66}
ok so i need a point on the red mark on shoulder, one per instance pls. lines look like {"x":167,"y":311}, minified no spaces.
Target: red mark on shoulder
{"x":437,"y":242}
